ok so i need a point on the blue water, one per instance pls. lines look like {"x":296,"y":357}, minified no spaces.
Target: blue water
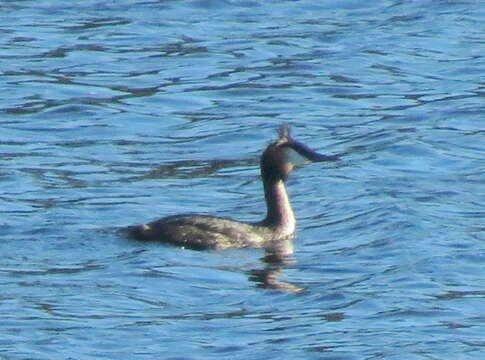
{"x":117,"y":112}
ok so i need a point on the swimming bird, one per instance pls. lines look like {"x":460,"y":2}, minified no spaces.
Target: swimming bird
{"x":274,"y":233}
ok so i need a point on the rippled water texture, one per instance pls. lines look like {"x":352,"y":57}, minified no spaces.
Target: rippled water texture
{"x":117,"y":112}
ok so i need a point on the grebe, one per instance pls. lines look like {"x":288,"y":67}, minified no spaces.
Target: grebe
{"x":273,"y":233}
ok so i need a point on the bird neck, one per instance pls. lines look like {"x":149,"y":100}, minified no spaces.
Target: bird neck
{"x":279,"y":211}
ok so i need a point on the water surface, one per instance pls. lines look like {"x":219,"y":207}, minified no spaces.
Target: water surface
{"x":118,"y":112}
